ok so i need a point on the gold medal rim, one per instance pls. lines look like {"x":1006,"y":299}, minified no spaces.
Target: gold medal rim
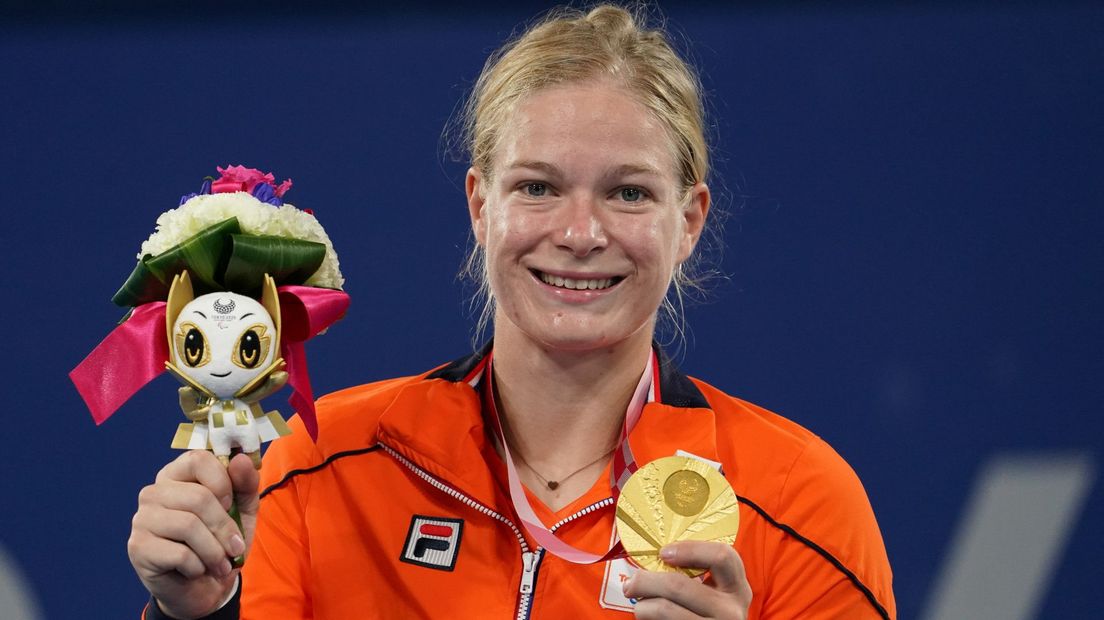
{"x":647,"y":556}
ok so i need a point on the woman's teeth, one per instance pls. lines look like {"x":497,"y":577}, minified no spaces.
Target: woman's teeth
{"x":578,"y":285}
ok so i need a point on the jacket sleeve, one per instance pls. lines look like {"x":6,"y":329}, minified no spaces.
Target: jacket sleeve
{"x":277,"y":574}
{"x":832,"y":562}
{"x":276,"y":580}
{"x":230,"y":610}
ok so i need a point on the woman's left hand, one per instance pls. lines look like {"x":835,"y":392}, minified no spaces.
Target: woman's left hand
{"x":725,"y":594}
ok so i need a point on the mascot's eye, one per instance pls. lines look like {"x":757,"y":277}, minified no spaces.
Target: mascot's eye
{"x":252,"y":347}
{"x":249,"y":349}
{"x":193,"y":347}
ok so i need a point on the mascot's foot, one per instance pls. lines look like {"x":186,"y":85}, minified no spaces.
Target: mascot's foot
{"x":256,"y":456}
{"x":225,"y":460}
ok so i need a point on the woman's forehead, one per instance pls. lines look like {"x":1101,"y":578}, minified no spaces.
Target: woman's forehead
{"x":584,"y":125}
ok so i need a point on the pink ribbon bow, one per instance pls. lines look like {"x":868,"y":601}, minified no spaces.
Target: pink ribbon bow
{"x":134,"y":353}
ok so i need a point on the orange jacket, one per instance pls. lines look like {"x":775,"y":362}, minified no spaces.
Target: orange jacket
{"x":399,"y":511}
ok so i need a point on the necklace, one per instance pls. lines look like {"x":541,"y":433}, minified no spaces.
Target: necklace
{"x":623,"y":464}
{"x":554,"y":484}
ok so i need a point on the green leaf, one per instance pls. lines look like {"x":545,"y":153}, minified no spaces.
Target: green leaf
{"x":220,"y":258}
{"x":204,"y":254}
{"x":288,"y":261}
{"x":140,"y":287}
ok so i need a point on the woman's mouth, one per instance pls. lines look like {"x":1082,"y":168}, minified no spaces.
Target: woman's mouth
{"x":576,"y":284}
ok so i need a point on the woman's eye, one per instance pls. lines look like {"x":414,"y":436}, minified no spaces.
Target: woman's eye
{"x":631,"y":194}
{"x":536,"y":189}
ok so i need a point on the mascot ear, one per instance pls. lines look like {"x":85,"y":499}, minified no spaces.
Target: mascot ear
{"x":180,"y":295}
{"x":270,"y":299}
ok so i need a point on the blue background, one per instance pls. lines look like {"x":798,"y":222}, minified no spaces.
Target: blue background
{"x":913,"y":249}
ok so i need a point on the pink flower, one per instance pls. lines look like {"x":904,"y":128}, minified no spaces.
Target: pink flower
{"x":283,"y":187}
{"x":242,"y":179}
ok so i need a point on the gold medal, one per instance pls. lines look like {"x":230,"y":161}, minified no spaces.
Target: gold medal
{"x":670,"y":499}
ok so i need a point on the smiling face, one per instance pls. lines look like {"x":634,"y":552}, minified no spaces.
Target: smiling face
{"x":583,"y":220}
{"x":222,"y":341}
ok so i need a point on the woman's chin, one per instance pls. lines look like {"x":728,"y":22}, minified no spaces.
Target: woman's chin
{"x":580,"y":338}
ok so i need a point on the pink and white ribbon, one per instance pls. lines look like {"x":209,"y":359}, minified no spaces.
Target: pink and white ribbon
{"x":624,"y":465}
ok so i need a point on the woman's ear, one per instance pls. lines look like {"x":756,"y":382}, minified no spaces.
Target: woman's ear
{"x":697,"y":209}
{"x":473,"y":187}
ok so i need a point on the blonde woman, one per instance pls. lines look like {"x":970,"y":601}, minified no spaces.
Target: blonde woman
{"x":587,"y":194}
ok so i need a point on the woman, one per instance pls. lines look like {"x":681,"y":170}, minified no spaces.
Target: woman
{"x":587,"y":196}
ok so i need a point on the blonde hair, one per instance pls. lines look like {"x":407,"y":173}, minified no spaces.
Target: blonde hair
{"x":569,"y":45}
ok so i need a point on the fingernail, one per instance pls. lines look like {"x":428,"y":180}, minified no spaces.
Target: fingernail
{"x":237,"y":545}
{"x":625,"y":586}
{"x":225,"y":568}
{"x":667,"y":553}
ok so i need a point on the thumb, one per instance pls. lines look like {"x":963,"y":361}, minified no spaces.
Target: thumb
{"x":244,"y":479}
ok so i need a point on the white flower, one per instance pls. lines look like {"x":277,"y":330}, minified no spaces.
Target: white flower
{"x":254,"y":217}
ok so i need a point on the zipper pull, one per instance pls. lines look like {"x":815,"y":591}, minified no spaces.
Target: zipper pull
{"x":529,"y":560}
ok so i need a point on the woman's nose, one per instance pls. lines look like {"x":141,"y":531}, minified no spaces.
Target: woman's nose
{"x":581,"y":227}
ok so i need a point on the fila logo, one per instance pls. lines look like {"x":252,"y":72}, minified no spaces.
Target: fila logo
{"x":433,"y":542}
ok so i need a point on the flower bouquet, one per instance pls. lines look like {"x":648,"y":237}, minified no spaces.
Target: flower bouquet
{"x":226,"y":291}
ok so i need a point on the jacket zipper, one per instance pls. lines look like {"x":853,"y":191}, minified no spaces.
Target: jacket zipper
{"x":529,"y":577}
{"x":529,"y":559}
{"x":528,"y":582}
{"x":585,"y":511}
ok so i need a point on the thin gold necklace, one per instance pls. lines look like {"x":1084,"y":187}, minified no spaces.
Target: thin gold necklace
{"x":554,"y":484}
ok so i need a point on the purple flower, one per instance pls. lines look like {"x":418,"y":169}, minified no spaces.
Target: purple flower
{"x":266,"y":193}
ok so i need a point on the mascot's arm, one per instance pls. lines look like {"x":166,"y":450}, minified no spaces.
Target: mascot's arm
{"x":271,"y":385}
{"x":194,"y":405}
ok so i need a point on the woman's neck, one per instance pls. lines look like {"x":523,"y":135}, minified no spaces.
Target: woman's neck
{"x":562,"y":409}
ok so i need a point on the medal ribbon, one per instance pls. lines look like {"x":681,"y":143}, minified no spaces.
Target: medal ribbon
{"x":624,"y":465}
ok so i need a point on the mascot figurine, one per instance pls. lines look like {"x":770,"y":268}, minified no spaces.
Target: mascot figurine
{"x":224,"y":348}
{"x":194,"y":311}
{"x":226,"y":291}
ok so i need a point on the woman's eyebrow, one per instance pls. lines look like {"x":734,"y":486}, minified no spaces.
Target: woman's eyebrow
{"x":554,"y":170}
{"x":629,"y":169}
{"x":532,"y":164}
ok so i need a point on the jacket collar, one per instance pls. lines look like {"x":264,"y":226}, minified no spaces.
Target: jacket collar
{"x":438,"y":425}
{"x":675,"y":388}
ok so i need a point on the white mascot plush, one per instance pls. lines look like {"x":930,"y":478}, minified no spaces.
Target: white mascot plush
{"x":225,"y":348}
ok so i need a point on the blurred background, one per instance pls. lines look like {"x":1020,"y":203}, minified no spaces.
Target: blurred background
{"x":912,"y":254}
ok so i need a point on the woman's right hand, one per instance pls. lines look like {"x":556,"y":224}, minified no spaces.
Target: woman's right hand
{"x":182,"y":537}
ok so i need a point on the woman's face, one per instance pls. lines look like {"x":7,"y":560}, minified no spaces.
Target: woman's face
{"x":583,"y":220}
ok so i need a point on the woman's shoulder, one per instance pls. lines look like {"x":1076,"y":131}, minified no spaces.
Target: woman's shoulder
{"x":348,"y":422}
{"x":798,"y":484}
{"x":775,"y":459}
{"x":335,"y":408}
{"x":751,"y":427}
